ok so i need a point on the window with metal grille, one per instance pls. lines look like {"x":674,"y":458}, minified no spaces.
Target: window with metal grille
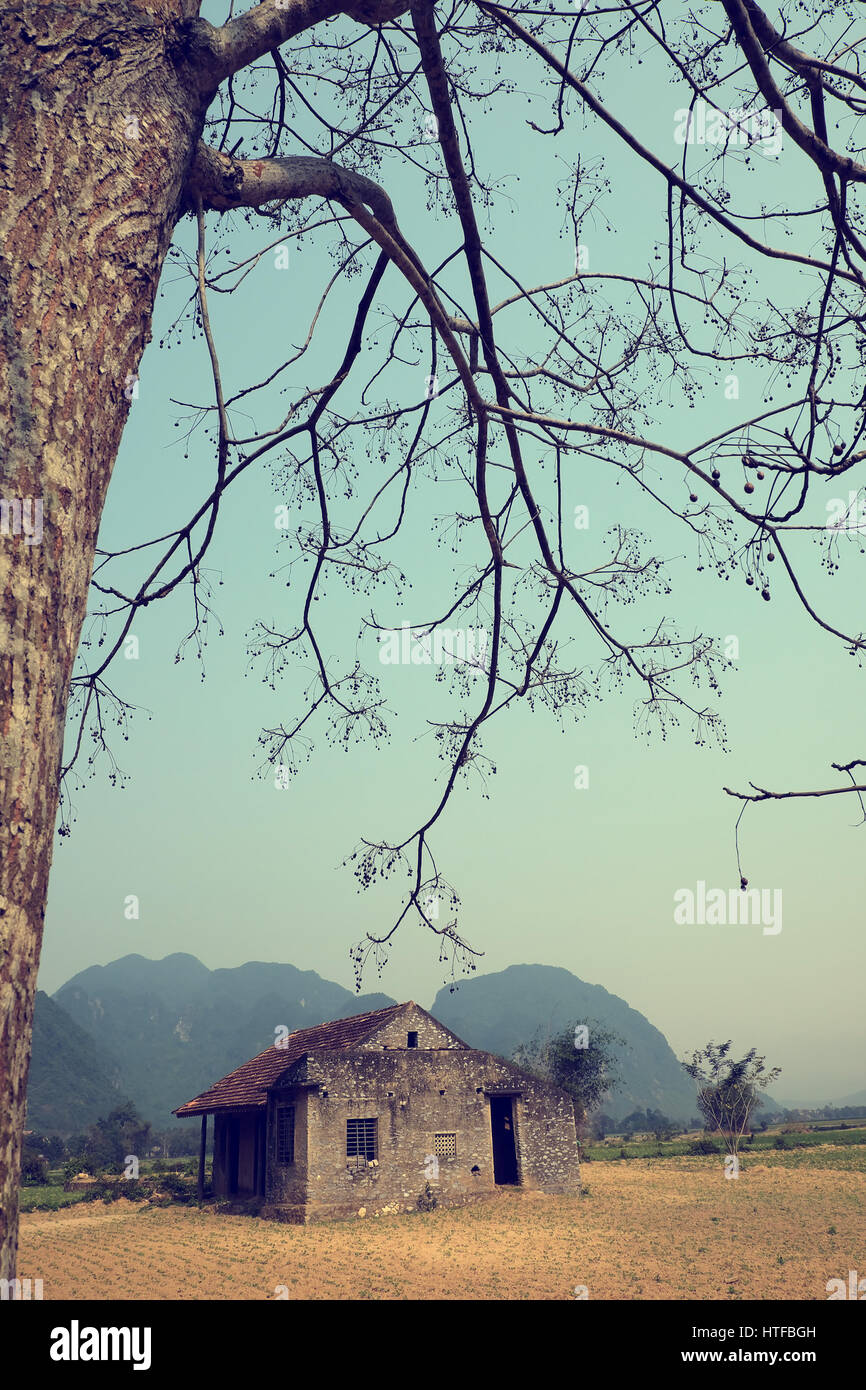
{"x":361,"y":1139}
{"x":445,"y":1145}
{"x":286,"y":1134}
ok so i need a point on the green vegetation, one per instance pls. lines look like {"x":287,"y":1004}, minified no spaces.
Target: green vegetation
{"x":848,"y":1159}
{"x":49,"y":1167}
{"x":770,"y":1144}
{"x":159,"y":1189}
{"x":580,"y":1059}
{"x":49,"y":1198}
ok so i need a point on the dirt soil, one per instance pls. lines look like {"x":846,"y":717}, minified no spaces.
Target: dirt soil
{"x":647,"y":1229}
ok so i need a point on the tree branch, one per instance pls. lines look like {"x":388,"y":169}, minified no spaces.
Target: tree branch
{"x":827,"y":160}
{"x":503,"y":18}
{"x":262,"y":29}
{"x":222,"y":182}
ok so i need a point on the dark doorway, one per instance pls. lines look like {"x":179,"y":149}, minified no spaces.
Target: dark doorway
{"x":233,"y":1138}
{"x":504,"y":1150}
{"x":261,"y":1154}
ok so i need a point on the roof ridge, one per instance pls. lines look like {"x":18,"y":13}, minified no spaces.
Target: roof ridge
{"x":311,"y":1028}
{"x":349,"y":1018}
{"x":253,"y":1078}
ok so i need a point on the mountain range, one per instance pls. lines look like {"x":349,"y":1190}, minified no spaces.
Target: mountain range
{"x":160,"y":1032}
{"x":164,"y":1030}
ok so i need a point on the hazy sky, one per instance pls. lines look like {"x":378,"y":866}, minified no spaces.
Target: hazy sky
{"x":230,"y":868}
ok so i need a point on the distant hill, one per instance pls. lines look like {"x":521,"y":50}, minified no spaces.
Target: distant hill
{"x":172,"y":1026}
{"x":159,"y":1032}
{"x":496,"y":1012}
{"x":855,"y":1099}
{"x":72,"y":1079}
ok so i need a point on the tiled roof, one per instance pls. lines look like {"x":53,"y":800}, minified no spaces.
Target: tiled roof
{"x":247,"y":1085}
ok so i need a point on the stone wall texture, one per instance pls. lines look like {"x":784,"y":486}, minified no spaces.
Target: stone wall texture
{"x":414,"y":1094}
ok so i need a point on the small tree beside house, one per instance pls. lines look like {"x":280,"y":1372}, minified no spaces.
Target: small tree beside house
{"x":580,"y":1060}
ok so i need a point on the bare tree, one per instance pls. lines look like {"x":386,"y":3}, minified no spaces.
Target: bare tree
{"x":121,"y":119}
{"x":729,"y":1088}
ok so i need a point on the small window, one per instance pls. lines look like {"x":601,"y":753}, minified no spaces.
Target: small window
{"x":412,"y":1040}
{"x":286,"y":1134}
{"x":445,"y":1145}
{"x":362,"y":1139}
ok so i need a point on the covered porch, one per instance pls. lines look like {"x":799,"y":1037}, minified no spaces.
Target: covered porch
{"x":239,"y":1153}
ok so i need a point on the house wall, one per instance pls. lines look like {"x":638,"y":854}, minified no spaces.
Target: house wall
{"x":286,"y":1183}
{"x":431,"y":1033}
{"x":414,"y":1094}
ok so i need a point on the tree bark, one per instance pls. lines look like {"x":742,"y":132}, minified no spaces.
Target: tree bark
{"x":100,"y":112}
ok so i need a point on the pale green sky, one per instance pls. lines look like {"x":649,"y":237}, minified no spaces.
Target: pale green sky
{"x":231,"y":869}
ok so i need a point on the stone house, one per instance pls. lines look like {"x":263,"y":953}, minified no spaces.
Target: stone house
{"x":358,"y":1116}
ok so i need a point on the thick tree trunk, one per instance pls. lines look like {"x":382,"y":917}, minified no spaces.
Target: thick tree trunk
{"x":98,"y":121}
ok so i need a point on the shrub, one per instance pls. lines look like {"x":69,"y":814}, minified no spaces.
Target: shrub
{"x":133,"y":1189}
{"x":177,"y":1189}
{"x":99,"y":1192}
{"x":34,"y":1171}
{"x":703,"y":1146}
{"x":427,"y":1200}
{"x":72,"y":1168}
